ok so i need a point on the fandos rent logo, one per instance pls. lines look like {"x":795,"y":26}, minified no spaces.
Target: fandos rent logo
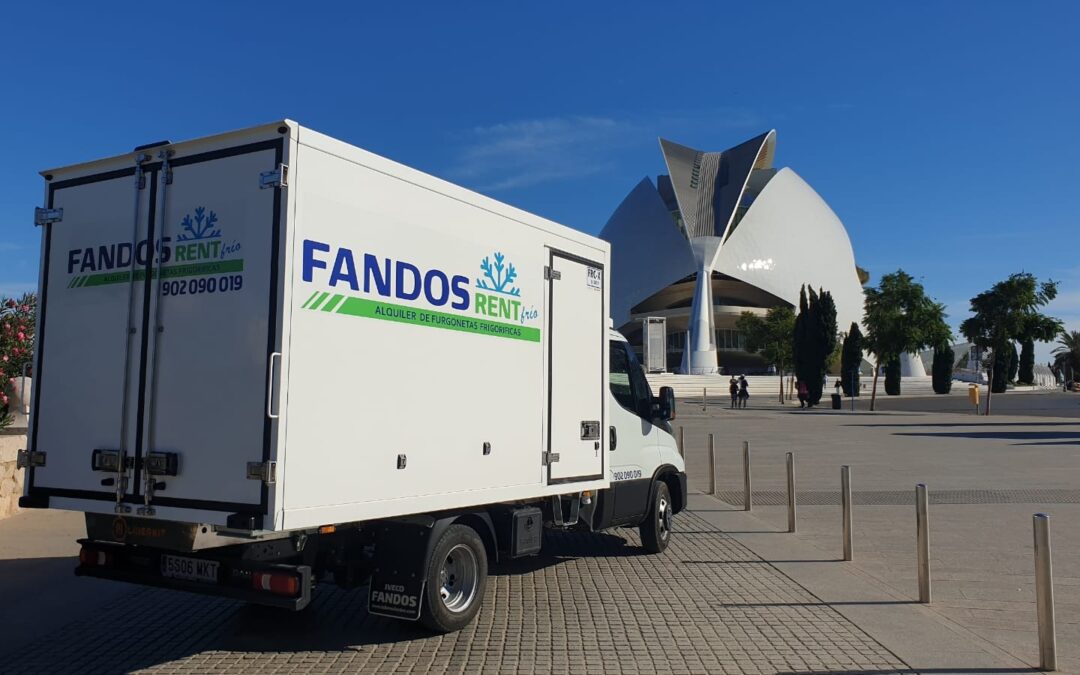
{"x":370,"y":285}
{"x":199,"y":250}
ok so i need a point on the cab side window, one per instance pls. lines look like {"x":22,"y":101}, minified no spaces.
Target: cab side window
{"x":627,"y":380}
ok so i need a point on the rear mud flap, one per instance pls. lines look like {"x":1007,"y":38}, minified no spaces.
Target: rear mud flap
{"x":396,"y":589}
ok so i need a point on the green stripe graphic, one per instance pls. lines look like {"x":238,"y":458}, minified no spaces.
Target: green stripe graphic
{"x":373,"y":309}
{"x":318,"y":302}
{"x":304,"y":306}
{"x":329,"y":307}
{"x":170,"y":272}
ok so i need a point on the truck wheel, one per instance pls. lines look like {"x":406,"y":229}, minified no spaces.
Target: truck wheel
{"x":456,"y":577}
{"x":656,"y":528}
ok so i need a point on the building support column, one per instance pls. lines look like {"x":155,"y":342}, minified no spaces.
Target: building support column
{"x":700,"y":355}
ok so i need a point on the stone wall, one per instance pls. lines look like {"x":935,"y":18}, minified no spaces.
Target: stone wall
{"x":11,"y":479}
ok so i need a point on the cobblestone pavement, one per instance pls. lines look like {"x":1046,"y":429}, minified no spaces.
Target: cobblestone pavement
{"x":592,"y":603}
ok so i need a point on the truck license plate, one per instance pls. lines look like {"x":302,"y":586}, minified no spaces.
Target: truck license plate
{"x":189,"y":569}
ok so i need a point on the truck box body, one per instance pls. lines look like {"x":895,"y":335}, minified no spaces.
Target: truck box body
{"x":278,"y":330}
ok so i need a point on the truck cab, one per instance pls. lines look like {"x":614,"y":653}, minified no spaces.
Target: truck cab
{"x":647,"y":474}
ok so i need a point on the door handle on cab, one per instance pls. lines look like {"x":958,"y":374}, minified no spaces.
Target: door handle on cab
{"x":613,"y":439}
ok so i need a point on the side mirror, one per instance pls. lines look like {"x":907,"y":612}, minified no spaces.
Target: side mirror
{"x":664,"y":404}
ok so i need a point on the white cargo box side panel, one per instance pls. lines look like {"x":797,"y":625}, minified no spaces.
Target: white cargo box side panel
{"x":417,"y":369}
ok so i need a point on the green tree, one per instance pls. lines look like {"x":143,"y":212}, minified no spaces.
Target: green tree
{"x":851,"y":360}
{"x":771,"y":337}
{"x":814,"y":339}
{"x":942,"y":369}
{"x":892,"y":377}
{"x":998,"y":364}
{"x":900,"y":318}
{"x":825,"y":339}
{"x":17,"y":317}
{"x":800,"y":341}
{"x":1067,"y":355}
{"x":1007,"y":312}
{"x":1027,"y":362}
{"x":1014,"y":363}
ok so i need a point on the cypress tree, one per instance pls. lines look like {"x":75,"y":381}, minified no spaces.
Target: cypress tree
{"x":1027,"y":362}
{"x":944,"y":358}
{"x":813,"y":364}
{"x":892,"y":377}
{"x":1014,"y":363}
{"x":799,"y":351}
{"x":850,"y":361}
{"x":823,"y":312}
{"x":1001,"y":370}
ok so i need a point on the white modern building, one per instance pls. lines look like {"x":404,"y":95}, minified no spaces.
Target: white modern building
{"x":720,"y":234}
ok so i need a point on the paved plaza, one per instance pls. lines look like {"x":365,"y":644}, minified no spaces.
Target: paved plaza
{"x":733,"y":593}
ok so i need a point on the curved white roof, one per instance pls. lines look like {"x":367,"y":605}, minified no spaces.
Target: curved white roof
{"x":776,"y":236}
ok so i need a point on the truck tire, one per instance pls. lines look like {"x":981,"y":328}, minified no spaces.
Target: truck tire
{"x":456,"y":577}
{"x":656,"y":528}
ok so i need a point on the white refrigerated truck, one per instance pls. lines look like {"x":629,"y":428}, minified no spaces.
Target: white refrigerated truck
{"x":267,"y":359}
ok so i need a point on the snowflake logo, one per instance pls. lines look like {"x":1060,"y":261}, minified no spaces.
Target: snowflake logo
{"x":499,"y":277}
{"x":201,"y":227}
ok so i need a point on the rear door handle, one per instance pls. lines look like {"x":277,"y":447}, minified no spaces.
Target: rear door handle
{"x":613,"y":438}
{"x":270,"y":382}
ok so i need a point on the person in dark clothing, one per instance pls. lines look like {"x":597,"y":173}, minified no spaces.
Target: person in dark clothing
{"x":744,"y":391}
{"x":804,"y":393}
{"x":733,"y":389}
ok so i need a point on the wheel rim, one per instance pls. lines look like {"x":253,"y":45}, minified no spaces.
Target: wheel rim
{"x":664,"y":516}
{"x":458,"y":578}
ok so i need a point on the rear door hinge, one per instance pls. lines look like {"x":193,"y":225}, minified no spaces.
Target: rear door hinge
{"x":26,"y":458}
{"x":552,"y":275}
{"x":47,"y":216}
{"x":263,"y":471}
{"x":549,"y":458}
{"x":277,"y":178}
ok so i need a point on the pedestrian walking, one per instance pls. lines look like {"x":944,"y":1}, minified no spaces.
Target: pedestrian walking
{"x":804,"y":394}
{"x":733,"y":389}
{"x":744,"y":391}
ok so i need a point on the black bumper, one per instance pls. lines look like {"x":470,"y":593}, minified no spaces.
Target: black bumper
{"x":139,"y":565}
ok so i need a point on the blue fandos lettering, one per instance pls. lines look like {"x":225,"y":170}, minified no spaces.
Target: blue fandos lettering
{"x":444,"y":287}
{"x":106,"y":256}
{"x":88,"y":263}
{"x":460,"y":287}
{"x":380,"y":277}
{"x":414,"y":293}
{"x":310,"y":263}
{"x":344,"y":269}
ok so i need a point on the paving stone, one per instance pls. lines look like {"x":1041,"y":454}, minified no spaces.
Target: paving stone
{"x":591,"y":603}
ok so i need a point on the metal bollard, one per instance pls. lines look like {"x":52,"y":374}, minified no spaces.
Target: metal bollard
{"x":682,"y":439}
{"x":704,"y":391}
{"x":712,"y":466}
{"x":922,"y":533}
{"x":747,"y":504}
{"x":1044,"y":593}
{"x":845,"y":501}
{"x":791,"y":492}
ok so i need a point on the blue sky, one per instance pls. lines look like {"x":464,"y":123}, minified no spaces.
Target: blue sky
{"x":944,"y":135}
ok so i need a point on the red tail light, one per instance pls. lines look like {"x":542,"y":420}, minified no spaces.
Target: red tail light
{"x":92,"y":557}
{"x":278,"y":583}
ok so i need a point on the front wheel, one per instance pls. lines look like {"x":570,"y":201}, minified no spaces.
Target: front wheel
{"x":455,"y":580}
{"x":656,"y":528}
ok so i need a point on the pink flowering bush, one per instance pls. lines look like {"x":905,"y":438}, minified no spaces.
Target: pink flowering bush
{"x":17,"y":319}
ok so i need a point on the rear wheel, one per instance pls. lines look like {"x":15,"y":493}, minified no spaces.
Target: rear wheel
{"x":456,"y":577}
{"x":656,"y":528}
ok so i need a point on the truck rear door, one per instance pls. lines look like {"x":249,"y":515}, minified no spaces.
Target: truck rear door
{"x":199,"y":343}
{"x":577,"y":339}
